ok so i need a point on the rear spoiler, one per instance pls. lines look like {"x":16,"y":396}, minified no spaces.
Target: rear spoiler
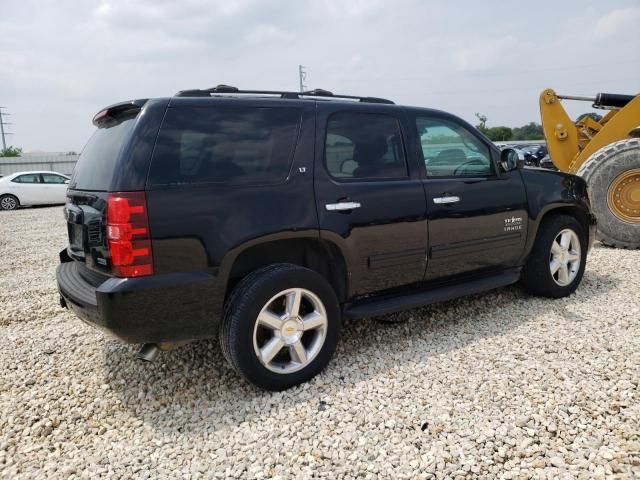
{"x":117,"y":113}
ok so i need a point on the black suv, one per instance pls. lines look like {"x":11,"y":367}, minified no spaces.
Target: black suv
{"x":268,"y":217}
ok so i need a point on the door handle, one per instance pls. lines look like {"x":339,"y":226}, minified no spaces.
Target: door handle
{"x":341,"y":206}
{"x":443,"y":200}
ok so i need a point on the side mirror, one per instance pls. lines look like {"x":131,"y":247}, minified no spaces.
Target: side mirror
{"x":510,"y":160}
{"x":66,"y":182}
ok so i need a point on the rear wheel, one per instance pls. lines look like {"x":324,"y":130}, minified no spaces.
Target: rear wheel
{"x":613,"y":175}
{"x":9,"y":202}
{"x":281,"y":326}
{"x":556,"y":263}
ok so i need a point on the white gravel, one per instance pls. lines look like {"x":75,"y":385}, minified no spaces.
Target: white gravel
{"x":501,"y":385}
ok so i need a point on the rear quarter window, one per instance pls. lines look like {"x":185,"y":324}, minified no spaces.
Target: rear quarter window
{"x":28,"y":178}
{"x":99,"y":157}
{"x":235,"y":145}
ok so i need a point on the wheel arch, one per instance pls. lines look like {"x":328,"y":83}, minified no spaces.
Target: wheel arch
{"x":579,"y":212}
{"x":319,"y":255}
{"x":14,"y":195}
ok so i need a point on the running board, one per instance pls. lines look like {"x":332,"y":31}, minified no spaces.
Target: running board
{"x":371,"y":307}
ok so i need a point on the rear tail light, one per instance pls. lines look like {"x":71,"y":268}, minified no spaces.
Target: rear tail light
{"x":128,"y":234}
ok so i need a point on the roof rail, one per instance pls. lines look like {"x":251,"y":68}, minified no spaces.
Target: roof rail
{"x":318,"y":92}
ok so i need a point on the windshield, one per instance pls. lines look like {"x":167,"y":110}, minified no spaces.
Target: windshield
{"x":100,"y":155}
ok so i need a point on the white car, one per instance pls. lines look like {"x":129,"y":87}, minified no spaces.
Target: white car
{"x":32,"y":188}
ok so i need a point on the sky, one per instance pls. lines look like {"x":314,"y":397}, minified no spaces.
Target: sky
{"x":61,"y":61}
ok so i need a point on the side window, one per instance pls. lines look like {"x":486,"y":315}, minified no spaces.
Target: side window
{"x":29,"y":178}
{"x":450,"y":150}
{"x":364,"y":145}
{"x":223,"y":144}
{"x":51,"y":178}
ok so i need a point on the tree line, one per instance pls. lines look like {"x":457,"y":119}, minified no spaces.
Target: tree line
{"x":530,"y":131}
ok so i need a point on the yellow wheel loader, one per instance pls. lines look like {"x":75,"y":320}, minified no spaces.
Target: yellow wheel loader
{"x":606,"y":153}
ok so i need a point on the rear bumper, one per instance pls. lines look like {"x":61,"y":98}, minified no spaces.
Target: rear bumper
{"x":158,"y":308}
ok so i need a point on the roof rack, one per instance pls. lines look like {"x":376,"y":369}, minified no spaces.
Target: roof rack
{"x":318,"y":92}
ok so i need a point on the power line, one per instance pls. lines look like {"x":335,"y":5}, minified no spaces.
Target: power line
{"x":3,"y":134}
{"x":302,"y":74}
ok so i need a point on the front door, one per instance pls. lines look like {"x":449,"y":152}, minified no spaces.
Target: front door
{"x":54,"y":187}
{"x":477,"y":214}
{"x":370,"y":198}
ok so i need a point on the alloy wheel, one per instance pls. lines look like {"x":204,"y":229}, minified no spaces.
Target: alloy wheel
{"x":565,"y":257}
{"x":8,"y":203}
{"x":290,"y":330}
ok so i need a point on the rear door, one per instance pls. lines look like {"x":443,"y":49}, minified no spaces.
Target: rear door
{"x":227,"y":173}
{"x":369,"y":197}
{"x":477,"y":214}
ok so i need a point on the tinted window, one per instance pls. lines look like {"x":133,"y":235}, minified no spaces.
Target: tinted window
{"x":364,"y":145}
{"x":100,"y":155}
{"x":50,"y":178}
{"x":233,"y":145}
{"x":30,"y":178}
{"x":450,"y":150}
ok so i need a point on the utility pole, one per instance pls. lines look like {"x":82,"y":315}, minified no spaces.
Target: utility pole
{"x":2,"y":132}
{"x":302,"y":73}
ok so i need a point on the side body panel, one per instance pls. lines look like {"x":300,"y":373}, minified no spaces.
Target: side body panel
{"x":27,"y":193}
{"x":204,"y":227}
{"x":549,"y":190}
{"x":486,"y":229}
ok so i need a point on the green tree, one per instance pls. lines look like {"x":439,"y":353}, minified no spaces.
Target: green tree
{"x":530,"y":131}
{"x":499,"y":134}
{"x":11,"y":152}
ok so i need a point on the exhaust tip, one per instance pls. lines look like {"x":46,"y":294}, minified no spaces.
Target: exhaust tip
{"x":148,"y":353}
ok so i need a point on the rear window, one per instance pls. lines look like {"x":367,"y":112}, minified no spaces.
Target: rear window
{"x":29,"y":178}
{"x":224,"y":144}
{"x":99,"y":157}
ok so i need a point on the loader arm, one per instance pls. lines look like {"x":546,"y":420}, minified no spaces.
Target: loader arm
{"x":571,"y":144}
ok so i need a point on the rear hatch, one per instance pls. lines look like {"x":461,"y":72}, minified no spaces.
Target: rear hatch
{"x":92,"y":179}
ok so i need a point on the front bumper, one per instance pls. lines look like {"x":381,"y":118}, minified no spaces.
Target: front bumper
{"x":159,"y":308}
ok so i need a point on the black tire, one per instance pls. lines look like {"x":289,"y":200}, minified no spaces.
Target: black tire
{"x":241,"y":315}
{"x":9,"y":202}
{"x":599,"y":171}
{"x":536,"y":275}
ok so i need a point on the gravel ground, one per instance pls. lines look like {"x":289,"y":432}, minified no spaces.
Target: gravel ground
{"x":499,"y":385}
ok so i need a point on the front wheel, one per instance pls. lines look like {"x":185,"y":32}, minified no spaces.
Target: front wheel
{"x":557,"y":261}
{"x":281,"y":326}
